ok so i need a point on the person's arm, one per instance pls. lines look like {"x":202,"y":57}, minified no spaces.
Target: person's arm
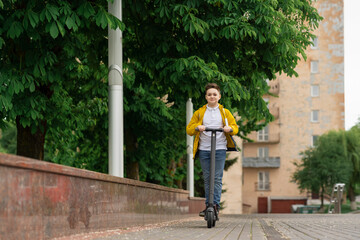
{"x":190,"y":128}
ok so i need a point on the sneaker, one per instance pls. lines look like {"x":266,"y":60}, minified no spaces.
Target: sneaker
{"x":202,"y":213}
{"x":217,"y":207}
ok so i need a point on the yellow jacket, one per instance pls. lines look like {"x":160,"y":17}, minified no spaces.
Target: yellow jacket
{"x":197,"y":120}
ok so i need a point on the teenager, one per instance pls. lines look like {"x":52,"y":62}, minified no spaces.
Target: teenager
{"x":212,"y":115}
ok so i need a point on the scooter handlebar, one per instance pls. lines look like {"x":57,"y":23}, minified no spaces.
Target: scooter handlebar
{"x":212,"y":129}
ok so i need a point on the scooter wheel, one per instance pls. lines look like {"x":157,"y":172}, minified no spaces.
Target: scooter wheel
{"x":210,"y":219}
{"x":214,"y":221}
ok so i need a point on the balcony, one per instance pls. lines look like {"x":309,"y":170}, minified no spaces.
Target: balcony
{"x":256,"y":162}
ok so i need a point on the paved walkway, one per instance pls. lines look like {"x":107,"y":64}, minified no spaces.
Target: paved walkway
{"x":231,"y":227}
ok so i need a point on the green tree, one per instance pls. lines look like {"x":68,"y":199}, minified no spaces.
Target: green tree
{"x":175,"y":48}
{"x":352,"y":153}
{"x":53,"y":72}
{"x":323,"y":165}
{"x":51,"y":52}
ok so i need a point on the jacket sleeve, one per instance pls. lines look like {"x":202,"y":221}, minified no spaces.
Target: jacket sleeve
{"x":190,"y":129}
{"x":232,"y":123}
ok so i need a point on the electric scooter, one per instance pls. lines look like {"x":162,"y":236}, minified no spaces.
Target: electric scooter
{"x":211,"y":215}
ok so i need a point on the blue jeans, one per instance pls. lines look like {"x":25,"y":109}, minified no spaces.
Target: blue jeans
{"x":220,"y":157}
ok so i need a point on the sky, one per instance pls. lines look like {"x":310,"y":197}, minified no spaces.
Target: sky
{"x":352,"y":63}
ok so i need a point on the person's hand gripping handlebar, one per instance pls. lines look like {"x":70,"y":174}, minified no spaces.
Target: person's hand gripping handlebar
{"x":203,"y":128}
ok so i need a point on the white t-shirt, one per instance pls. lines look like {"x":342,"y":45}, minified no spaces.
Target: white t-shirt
{"x":212,"y":119}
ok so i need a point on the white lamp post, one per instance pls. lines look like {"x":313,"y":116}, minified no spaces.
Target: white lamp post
{"x":189,"y":144}
{"x":116,"y":119}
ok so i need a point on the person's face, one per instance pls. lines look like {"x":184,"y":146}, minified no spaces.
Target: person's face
{"x":212,"y":96}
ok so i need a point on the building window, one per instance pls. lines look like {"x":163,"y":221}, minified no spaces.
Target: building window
{"x":263,"y":134}
{"x":315,"y":90}
{"x":314,"y":66}
{"x":263,"y":183}
{"x":315,"y":116}
{"x":315,"y":43}
{"x":314,"y":138}
{"x":263,"y":152}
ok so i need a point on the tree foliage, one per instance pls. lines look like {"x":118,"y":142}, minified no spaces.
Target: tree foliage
{"x":175,"y":48}
{"x":8,"y":139}
{"x":52,"y":63}
{"x":53,"y":72}
{"x":352,"y":153}
{"x":324,"y":164}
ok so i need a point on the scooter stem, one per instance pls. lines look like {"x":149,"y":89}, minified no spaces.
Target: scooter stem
{"x":212,"y":168}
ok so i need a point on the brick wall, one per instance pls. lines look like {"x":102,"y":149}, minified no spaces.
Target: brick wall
{"x":41,"y":200}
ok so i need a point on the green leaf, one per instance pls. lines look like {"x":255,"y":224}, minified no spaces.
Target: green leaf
{"x":32,"y":102}
{"x":42,"y":68}
{"x":33,"y":114}
{"x":199,"y":28}
{"x":70,"y":23}
{"x":227,"y":33}
{"x":6,"y":102}
{"x":192,"y":28}
{"x":162,"y":12}
{"x":101,"y":18}
{"x":54,"y":32}
{"x":119,"y":24}
{"x":51,"y":12}
{"x":33,"y":18}
{"x":15,"y":30}
{"x":86,"y":10}
{"x":16,"y":87}
{"x":261,"y":38}
{"x":165,"y":47}
{"x":61,"y":28}
{"x":10,"y":89}
{"x":25,"y":22}
{"x":24,"y":122}
{"x":32,"y":87}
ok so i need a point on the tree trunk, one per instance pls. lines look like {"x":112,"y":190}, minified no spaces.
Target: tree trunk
{"x":28,"y":144}
{"x":132,"y":170}
{"x":322,"y":197}
{"x":352,"y":197}
{"x":132,"y":167}
{"x":179,"y":183}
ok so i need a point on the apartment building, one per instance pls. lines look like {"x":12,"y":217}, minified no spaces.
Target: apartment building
{"x":304,"y":108}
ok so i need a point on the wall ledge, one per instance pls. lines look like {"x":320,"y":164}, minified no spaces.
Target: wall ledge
{"x":33,"y":164}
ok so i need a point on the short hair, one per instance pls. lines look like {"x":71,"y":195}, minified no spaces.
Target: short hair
{"x":211,"y":85}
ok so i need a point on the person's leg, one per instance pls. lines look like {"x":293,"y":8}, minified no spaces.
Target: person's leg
{"x":219,"y":169}
{"x":204,"y":157}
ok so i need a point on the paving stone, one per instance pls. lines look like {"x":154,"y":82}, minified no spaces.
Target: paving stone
{"x":239,"y":227}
